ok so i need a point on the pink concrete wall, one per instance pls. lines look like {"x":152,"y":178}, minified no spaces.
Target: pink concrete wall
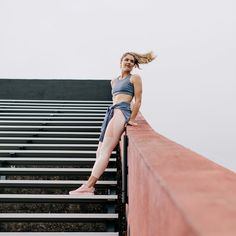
{"x":174,"y":191}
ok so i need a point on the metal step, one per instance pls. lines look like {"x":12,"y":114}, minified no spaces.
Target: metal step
{"x":49,"y":122}
{"x":11,"y":151}
{"x":56,"y":217}
{"x":54,"y":183}
{"x":48,"y":198}
{"x":102,"y":111}
{"x":2,"y":107}
{"x":54,"y":101}
{"x":79,"y":153}
{"x":49,"y":153}
{"x":85,"y":118}
{"x":60,"y":234}
{"x":51,"y":114}
{"x":53,"y":104}
{"x":48,"y":139}
{"x":50,"y":171}
{"x":39,"y":140}
{"x":47,"y":128}
{"x":47,"y":160}
{"x":50,"y":134}
{"x":45,"y":146}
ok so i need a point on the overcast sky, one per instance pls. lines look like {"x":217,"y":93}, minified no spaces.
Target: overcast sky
{"x":189,"y":91}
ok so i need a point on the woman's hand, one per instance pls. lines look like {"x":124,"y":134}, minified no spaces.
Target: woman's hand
{"x":131,"y":122}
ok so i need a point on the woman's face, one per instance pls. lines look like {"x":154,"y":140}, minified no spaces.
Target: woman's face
{"x":127,"y":63}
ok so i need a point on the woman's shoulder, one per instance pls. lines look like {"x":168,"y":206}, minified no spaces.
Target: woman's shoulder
{"x":134,"y":78}
{"x":112,"y":80}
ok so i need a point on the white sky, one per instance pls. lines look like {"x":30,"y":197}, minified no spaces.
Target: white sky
{"x":189,"y":92}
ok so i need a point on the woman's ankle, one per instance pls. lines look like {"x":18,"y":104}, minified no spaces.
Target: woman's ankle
{"x":91,"y":181}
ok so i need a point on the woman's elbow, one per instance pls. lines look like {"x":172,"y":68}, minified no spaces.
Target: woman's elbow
{"x":138,"y":102}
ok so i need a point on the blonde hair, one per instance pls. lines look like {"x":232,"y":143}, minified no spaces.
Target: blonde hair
{"x":140,"y":58}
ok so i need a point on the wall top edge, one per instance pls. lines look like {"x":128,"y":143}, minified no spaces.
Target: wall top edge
{"x":54,"y":79}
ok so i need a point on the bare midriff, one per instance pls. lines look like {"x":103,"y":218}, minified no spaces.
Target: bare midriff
{"x":122,"y":98}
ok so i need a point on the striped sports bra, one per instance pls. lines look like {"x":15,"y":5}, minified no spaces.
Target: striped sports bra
{"x":123,"y":86}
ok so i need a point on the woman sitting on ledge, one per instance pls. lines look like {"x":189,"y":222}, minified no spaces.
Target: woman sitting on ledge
{"x":124,"y":88}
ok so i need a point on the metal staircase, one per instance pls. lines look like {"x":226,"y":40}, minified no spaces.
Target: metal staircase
{"x":47,"y":148}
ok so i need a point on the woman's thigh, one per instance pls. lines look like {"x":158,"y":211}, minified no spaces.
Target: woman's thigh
{"x":116,"y":125}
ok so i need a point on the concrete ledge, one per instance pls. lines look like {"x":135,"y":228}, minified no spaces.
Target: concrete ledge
{"x":175,"y":191}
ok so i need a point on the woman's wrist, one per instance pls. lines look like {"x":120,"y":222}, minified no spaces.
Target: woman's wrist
{"x":132,"y":122}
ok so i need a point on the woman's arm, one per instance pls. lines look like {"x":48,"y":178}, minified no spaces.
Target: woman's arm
{"x":137,"y":82}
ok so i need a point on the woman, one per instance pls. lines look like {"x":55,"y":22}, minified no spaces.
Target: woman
{"x":124,"y":89}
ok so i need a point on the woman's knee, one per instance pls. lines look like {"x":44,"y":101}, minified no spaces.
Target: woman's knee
{"x":109,"y":145}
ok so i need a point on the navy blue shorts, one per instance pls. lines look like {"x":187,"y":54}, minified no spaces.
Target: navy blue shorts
{"x":126,"y":110}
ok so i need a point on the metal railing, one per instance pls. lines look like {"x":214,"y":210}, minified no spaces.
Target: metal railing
{"x":124,"y":164}
{"x":122,"y":179}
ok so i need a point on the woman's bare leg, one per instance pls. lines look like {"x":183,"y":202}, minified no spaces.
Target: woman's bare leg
{"x":92,"y":180}
{"x":112,"y":136}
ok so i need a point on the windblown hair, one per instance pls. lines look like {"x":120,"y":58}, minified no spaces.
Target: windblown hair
{"x":140,"y":58}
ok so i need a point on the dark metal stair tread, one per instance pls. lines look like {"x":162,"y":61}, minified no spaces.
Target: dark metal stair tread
{"x":60,"y":234}
{"x":50,"y":170}
{"x":47,"y":126}
{"x":49,"y":159}
{"x":57,"y":217}
{"x":52,"y":100}
{"x":52,"y":104}
{"x":50,"y":151}
{"x":59,"y":183}
{"x":54,"y":110}
{"x":50,"y":122}
{"x":50,"y":114}
{"x":50,"y":132}
{"x":98,"y":118}
{"x":45,"y":145}
{"x":55,"y":106}
{"x":48,"y":139}
{"x":37,"y":198}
